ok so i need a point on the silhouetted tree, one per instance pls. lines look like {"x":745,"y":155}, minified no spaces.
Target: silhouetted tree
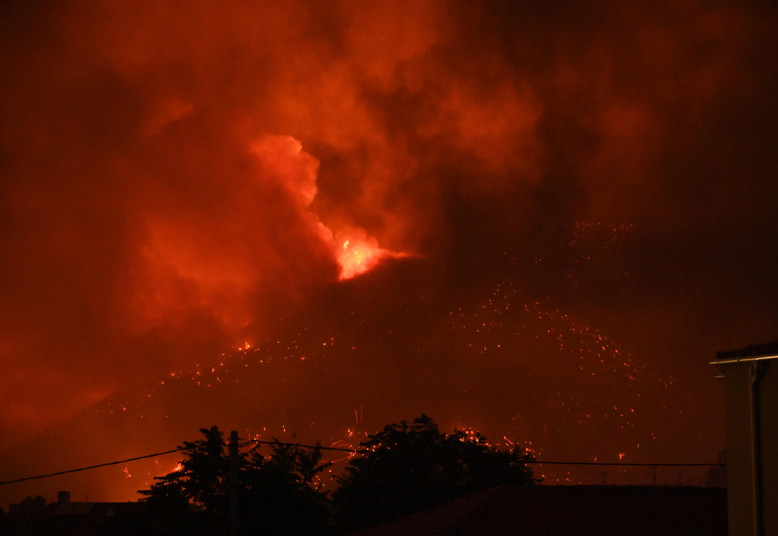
{"x":280,"y":496}
{"x":275,"y":492}
{"x":194,"y":498}
{"x":411,"y":467}
{"x":27,"y":517}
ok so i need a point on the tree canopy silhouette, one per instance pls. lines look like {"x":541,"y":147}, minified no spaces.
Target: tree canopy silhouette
{"x":275,"y":493}
{"x":409,"y":467}
{"x":25,"y":517}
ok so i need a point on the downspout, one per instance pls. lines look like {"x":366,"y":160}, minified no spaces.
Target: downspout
{"x":757,"y":371}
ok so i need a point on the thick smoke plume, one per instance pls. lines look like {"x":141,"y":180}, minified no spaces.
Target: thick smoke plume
{"x":176,"y":175}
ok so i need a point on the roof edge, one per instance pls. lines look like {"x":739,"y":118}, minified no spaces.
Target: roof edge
{"x":759,"y":352}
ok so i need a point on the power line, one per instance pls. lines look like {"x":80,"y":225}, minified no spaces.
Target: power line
{"x":634,"y":464}
{"x":353,"y":450}
{"x":340,"y":449}
{"x":36,"y":477}
{"x":548,"y":462}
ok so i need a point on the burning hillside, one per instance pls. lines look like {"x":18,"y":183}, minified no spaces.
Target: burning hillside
{"x":535,"y":219}
{"x":518,"y":368}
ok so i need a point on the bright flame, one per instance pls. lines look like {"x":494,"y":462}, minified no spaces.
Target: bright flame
{"x":361,"y":253}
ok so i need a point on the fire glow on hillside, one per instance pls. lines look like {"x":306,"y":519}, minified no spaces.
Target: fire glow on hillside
{"x":536,"y":220}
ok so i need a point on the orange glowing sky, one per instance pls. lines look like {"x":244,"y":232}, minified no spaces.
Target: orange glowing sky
{"x":178,"y":180}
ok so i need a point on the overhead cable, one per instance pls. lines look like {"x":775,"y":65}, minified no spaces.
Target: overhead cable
{"x":97,"y":466}
{"x":353,"y":450}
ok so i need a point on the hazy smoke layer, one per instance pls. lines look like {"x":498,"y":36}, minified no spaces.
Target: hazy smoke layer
{"x":174,"y":171}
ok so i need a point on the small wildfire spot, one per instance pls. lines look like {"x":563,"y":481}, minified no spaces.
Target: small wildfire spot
{"x":357,"y":258}
{"x":360,"y":253}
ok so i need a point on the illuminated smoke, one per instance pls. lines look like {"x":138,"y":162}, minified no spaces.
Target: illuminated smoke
{"x":175,"y":176}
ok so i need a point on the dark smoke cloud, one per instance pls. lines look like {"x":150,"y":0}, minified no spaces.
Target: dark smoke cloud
{"x":172,"y":172}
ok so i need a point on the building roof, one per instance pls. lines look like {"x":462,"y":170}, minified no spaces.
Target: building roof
{"x":756,"y":352}
{"x":565,"y":510}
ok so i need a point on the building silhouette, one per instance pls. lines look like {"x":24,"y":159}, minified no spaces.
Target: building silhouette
{"x":751,"y":378}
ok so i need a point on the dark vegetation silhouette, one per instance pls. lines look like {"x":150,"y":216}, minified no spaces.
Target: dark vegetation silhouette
{"x":26,"y":517}
{"x":410,"y":467}
{"x":275,"y":493}
{"x":402,"y":469}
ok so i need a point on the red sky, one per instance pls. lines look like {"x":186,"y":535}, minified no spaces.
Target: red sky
{"x":179,"y":179}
